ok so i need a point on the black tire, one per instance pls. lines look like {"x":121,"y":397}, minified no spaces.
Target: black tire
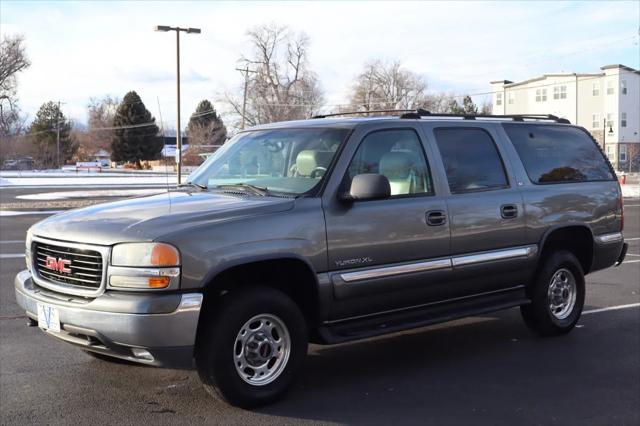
{"x":216,"y":353}
{"x":538,"y":315}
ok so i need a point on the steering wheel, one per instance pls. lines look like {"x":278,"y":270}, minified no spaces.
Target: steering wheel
{"x":317,"y":170}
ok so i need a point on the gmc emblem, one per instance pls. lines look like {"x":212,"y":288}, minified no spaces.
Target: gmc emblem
{"x":59,"y":265}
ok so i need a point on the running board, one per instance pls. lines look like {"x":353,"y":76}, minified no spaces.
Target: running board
{"x":386,"y":323}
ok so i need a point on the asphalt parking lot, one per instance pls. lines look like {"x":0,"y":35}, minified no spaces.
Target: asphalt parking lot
{"x":484,"y":370}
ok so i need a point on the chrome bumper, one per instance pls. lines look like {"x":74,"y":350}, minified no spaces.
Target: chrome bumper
{"x":113,"y":324}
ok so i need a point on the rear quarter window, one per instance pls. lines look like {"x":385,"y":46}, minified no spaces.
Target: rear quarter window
{"x":556,"y":154}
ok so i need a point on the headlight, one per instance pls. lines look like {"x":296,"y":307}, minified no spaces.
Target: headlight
{"x":145,"y":255}
{"x":144,"y":266}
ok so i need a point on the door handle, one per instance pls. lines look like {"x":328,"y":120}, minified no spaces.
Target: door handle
{"x":436,"y":218}
{"x":509,"y":211}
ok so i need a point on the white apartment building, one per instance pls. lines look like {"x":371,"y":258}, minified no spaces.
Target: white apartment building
{"x":610,"y":97}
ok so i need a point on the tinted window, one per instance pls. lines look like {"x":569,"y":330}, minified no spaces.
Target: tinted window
{"x":558,"y":153}
{"x":396,"y":154}
{"x":471,"y":160}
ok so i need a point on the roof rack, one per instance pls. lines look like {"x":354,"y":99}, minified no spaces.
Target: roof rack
{"x":419,"y":113}
{"x":338,"y":114}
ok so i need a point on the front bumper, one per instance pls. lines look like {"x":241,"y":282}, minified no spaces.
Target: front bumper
{"x":113,"y":324}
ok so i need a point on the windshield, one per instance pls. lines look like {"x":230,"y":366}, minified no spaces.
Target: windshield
{"x":290,"y":161}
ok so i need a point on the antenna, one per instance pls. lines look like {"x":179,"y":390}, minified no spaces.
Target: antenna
{"x":164,"y":147}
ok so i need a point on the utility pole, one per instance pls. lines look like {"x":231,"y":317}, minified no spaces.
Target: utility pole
{"x":246,"y":72}
{"x":58,"y":136}
{"x":165,"y":28}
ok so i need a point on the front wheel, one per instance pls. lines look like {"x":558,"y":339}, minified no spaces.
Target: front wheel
{"x":557,"y":295}
{"x":250,"y":349}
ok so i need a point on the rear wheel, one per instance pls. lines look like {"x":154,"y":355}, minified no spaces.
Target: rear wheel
{"x":557,"y":295}
{"x":251,"y":347}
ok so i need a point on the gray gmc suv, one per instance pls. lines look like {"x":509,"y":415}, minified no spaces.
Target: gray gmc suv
{"x":329,"y":230}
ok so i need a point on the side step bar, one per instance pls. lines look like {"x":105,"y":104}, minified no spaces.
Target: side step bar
{"x":363,"y":328}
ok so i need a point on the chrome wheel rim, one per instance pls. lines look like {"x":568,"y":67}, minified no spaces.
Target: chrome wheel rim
{"x":562,"y":293}
{"x":261,"y":349}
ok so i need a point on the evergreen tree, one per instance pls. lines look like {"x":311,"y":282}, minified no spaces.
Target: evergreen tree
{"x":468,"y":107}
{"x":454,"y":108}
{"x":44,"y":133}
{"x":135,"y":139}
{"x":205,"y":126}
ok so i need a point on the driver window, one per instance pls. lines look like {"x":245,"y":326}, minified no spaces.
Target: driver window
{"x":397,"y":155}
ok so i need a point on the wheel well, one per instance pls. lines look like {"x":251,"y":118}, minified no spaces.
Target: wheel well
{"x":576,"y":239}
{"x":291,"y":276}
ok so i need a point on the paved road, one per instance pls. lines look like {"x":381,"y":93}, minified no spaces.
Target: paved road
{"x":485,"y":370}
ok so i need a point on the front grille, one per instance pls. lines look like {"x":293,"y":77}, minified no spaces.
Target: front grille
{"x":85,"y":265}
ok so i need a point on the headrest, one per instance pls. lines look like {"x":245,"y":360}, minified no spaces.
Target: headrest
{"x":308,"y":160}
{"x":396,"y":165}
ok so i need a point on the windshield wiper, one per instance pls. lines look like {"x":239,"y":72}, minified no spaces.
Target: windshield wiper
{"x":257,"y":190}
{"x":197,"y":185}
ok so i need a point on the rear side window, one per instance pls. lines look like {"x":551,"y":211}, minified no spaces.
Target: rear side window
{"x":554,"y":154}
{"x":471,"y":160}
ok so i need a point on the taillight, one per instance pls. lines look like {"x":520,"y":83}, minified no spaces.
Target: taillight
{"x":621,"y":212}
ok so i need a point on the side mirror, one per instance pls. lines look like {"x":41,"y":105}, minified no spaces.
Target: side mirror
{"x":368,"y":186}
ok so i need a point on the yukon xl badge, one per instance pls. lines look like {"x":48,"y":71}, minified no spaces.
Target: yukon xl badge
{"x":353,"y":262}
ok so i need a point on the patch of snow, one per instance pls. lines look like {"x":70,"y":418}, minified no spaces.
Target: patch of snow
{"x":27,"y":212}
{"x":104,"y":179}
{"x":90,"y":194}
{"x":631,"y":190}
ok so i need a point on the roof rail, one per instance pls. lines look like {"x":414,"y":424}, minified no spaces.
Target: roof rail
{"x":419,"y":113}
{"x":337,"y":114}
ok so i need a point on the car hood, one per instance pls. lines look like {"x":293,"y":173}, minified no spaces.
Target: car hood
{"x":148,"y":218}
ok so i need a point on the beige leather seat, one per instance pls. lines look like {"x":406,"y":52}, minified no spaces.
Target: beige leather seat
{"x":398,"y":167}
{"x":311,"y":163}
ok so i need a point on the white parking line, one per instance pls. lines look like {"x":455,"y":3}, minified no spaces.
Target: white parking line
{"x":611,"y":308}
{"x":11,"y":241}
{"x":632,"y":239}
{"x":11,"y":255}
{"x":630,"y":261}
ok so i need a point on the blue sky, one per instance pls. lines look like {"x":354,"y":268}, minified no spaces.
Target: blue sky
{"x":89,"y":49}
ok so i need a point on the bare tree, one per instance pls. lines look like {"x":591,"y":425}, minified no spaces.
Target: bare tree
{"x":386,"y":85}
{"x":101,"y":114}
{"x":281,"y":86}
{"x":13,"y":59}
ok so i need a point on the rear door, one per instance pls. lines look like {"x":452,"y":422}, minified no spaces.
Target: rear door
{"x":488,"y":229}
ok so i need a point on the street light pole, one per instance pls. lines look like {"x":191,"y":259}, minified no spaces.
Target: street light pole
{"x":165,"y":28}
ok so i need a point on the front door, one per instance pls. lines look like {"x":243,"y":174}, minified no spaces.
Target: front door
{"x":390,"y":253}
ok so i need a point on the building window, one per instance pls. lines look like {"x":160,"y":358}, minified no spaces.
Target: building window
{"x":498,"y":98}
{"x":541,"y":95}
{"x":611,"y":152}
{"x":622,"y":156}
{"x":595,"y":121}
{"x":609,"y":121}
{"x":595,"y":89}
{"x":560,"y":92}
{"x":623,"y":87}
{"x":610,"y":87}
{"x":623,"y":119}
{"x":511,"y":98}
